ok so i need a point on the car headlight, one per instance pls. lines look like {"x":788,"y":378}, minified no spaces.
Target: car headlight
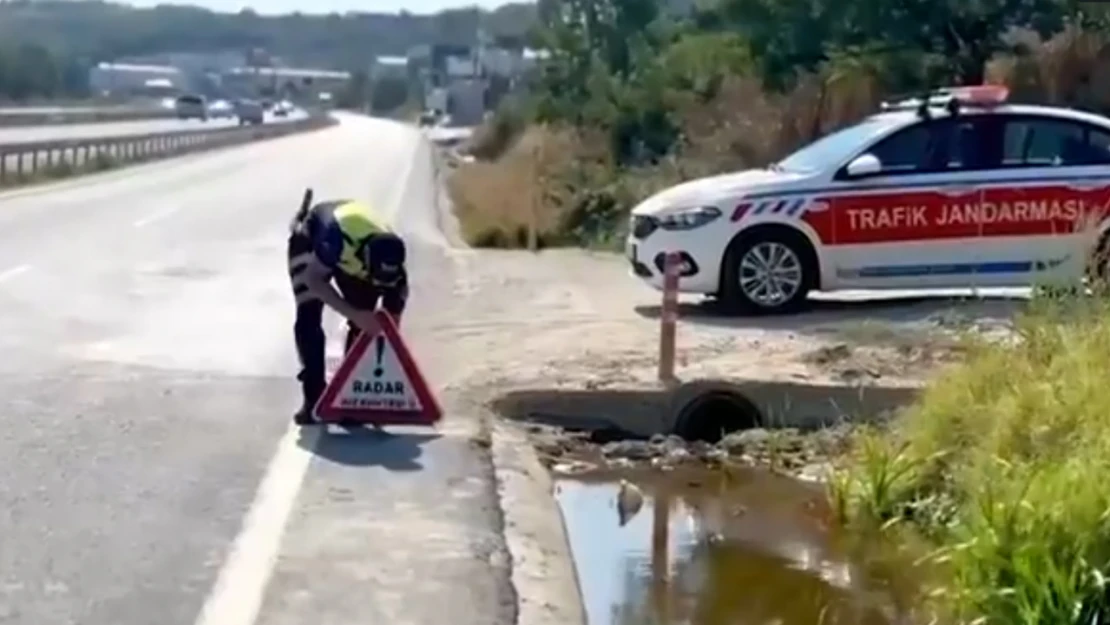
{"x":690,"y":218}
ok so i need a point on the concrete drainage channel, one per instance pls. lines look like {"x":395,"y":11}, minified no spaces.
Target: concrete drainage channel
{"x":702,"y":410}
{"x":660,"y":543}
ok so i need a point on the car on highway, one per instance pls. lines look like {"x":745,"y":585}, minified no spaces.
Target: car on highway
{"x":221,"y":109}
{"x":282,"y":108}
{"x":249,"y":112}
{"x":958,"y":189}
{"x":191,"y":106}
{"x":432,"y":117}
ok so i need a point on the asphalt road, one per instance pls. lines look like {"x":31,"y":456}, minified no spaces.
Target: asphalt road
{"x":28,"y":134}
{"x":150,"y":474}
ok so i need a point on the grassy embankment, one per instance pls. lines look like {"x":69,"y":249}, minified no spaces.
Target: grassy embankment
{"x":1002,"y":466}
{"x":565,"y":179}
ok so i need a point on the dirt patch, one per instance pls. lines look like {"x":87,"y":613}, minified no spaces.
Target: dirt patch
{"x":575,"y":321}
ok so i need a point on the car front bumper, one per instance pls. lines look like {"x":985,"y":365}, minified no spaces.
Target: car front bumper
{"x":700,"y":251}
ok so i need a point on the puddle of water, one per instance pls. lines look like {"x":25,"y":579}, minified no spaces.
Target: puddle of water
{"x":746,"y":548}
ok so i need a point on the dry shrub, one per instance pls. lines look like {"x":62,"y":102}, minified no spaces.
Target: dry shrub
{"x":495,"y":137}
{"x":1072,"y":68}
{"x":498,"y":201}
{"x":566,"y":180}
{"x":745,"y":126}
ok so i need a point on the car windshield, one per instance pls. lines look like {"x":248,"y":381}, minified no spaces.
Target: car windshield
{"x":834,"y":148}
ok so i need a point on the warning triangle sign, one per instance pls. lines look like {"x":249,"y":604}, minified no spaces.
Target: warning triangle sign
{"x":378,"y":383}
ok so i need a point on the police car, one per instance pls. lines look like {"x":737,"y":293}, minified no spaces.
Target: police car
{"x":961,"y":188}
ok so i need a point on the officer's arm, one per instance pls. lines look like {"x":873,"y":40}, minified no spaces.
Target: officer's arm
{"x":318,"y":280}
{"x":327,"y":248}
{"x":394,"y":299}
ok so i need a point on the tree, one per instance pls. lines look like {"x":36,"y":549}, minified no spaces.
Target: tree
{"x":389,"y":93}
{"x":357,"y":93}
{"x":959,"y":35}
{"x":29,"y":70}
{"x":590,"y":38}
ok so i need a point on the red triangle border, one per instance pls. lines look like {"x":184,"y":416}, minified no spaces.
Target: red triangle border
{"x":431,"y":412}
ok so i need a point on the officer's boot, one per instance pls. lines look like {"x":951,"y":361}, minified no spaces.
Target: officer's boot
{"x":311,"y":390}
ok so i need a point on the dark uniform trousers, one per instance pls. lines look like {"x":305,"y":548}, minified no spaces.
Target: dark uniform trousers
{"x":308,"y":329}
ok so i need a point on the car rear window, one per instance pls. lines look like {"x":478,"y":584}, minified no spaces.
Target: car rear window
{"x":190,"y":99}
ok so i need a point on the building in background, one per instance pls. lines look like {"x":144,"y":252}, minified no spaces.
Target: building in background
{"x":466,"y":81}
{"x":134,"y":79}
{"x":389,"y":67}
{"x":284,"y":82}
{"x":218,"y":74}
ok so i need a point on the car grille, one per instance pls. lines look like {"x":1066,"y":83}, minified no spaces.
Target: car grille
{"x":643,"y":226}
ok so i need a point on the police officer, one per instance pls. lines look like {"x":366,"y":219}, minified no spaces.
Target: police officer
{"x":344,"y":241}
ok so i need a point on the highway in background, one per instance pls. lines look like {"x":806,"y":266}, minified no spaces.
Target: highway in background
{"x":60,"y":132}
{"x":50,"y":110}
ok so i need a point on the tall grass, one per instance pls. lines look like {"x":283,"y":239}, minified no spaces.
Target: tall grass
{"x":568,"y":178}
{"x":1004,"y":465}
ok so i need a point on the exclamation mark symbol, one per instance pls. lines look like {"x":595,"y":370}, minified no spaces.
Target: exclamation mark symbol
{"x":380,"y":349}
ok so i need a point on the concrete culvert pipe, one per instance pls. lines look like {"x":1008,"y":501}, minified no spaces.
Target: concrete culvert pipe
{"x":712,"y":415}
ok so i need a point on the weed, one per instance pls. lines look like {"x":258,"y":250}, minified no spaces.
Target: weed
{"x":1001,"y":465}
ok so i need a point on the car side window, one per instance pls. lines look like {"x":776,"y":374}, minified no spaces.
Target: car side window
{"x":907,"y":151}
{"x":972,"y":144}
{"x":1039,"y":142}
{"x":950,"y":144}
{"x":1098,"y":146}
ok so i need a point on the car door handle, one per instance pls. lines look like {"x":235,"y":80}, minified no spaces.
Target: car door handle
{"x":958,"y":189}
{"x":1088,"y":186}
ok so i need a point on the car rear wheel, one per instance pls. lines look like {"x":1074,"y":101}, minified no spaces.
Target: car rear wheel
{"x":769,"y":273}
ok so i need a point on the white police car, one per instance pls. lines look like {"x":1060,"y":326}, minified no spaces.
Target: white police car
{"x":958,"y":189}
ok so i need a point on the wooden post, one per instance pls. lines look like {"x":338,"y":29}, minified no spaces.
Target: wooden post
{"x":660,"y":555}
{"x":668,"y":317}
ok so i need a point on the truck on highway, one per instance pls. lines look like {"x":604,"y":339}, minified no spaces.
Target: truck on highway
{"x":249,"y":112}
{"x":191,"y":106}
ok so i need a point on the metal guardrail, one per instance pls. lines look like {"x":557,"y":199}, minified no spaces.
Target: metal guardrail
{"x":43,"y":160}
{"x":10,"y":118}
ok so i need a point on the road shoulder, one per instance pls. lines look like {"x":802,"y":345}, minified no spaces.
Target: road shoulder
{"x":542,"y":569}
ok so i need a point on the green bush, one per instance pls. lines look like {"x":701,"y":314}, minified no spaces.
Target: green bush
{"x":1000,"y":465}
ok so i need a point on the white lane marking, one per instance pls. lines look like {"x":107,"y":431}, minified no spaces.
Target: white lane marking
{"x":399,"y":191}
{"x":157,"y":216}
{"x":236,"y":598}
{"x":13,"y":272}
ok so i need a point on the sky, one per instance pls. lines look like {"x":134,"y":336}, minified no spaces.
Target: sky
{"x":272,"y":7}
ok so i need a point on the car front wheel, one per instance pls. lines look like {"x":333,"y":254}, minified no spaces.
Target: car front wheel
{"x":770,"y":273}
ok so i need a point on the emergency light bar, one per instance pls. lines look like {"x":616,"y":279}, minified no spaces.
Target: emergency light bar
{"x":978,"y":96}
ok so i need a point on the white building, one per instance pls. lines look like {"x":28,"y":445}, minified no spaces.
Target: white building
{"x":394,"y":66}
{"x":129,"y":78}
{"x":284,"y":80}
{"x":509,"y":63}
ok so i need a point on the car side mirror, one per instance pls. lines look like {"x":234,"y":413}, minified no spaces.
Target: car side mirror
{"x":864,"y":165}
